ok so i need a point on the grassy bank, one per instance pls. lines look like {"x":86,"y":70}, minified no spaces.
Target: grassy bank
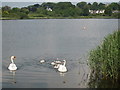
{"x":79,"y":17}
{"x":104,"y":60}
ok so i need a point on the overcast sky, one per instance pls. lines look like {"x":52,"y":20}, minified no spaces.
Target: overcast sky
{"x":59,"y":0}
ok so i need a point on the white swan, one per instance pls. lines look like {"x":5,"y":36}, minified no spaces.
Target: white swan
{"x":12,"y":66}
{"x":53,"y":63}
{"x":58,"y":62}
{"x":62,"y":68}
{"x":56,"y":66}
{"x":42,"y":61}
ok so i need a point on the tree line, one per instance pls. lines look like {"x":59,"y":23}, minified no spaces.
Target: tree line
{"x":61,"y":9}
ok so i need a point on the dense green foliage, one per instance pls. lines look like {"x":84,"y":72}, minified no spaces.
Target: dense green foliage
{"x":60,"y":9}
{"x":108,"y":11}
{"x":105,"y":59}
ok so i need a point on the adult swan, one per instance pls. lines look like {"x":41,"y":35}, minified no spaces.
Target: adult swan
{"x":12,"y":66}
{"x":62,"y":68}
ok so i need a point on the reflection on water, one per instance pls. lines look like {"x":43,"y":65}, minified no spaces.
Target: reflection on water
{"x":13,"y":77}
{"x":62,"y":74}
{"x":97,"y":81}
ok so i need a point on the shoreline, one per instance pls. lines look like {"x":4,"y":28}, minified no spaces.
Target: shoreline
{"x":81,"y":17}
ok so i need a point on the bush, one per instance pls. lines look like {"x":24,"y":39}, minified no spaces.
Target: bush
{"x":116,"y":15}
{"x":23,"y":15}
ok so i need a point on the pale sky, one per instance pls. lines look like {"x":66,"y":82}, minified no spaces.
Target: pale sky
{"x":59,"y":0}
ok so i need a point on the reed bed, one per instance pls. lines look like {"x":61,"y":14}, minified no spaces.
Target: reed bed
{"x":104,"y":60}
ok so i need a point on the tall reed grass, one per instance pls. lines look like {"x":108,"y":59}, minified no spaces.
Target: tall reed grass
{"x":104,"y":60}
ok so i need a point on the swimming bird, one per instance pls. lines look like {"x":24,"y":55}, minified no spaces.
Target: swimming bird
{"x":58,"y":62}
{"x":84,"y":28}
{"x":56,"y":66}
{"x":53,"y":63}
{"x":62,"y":68}
{"x":42,"y":61}
{"x":12,"y":66}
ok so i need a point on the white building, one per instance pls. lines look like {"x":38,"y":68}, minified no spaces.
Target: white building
{"x":102,"y":11}
{"x":115,"y":11}
{"x":48,"y":9}
{"x":96,"y":11}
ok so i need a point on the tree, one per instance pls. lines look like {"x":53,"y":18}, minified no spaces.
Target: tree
{"x":78,"y":11}
{"x":94,"y":6}
{"x":5,"y":14}
{"x":48,"y":4}
{"x":6,"y":8}
{"x":15,"y":9}
{"x":6,"y":11}
{"x":36,"y":5}
{"x":116,"y":15}
{"x":89,"y":5}
{"x":24,"y":10}
{"x":51,"y":13}
{"x":64,"y":9}
{"x":101,"y":6}
{"x":114,"y":6}
{"x":85,"y":11}
{"x":32,"y":8}
{"x":64,"y":5}
{"x":71,"y":12}
{"x":22,"y":15}
{"x":81,"y":5}
{"x":108,"y":11}
{"x":41,"y":11}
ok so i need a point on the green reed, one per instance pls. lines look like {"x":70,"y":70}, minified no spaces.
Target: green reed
{"x":104,"y":60}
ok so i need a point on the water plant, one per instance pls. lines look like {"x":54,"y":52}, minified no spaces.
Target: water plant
{"x":104,"y":60}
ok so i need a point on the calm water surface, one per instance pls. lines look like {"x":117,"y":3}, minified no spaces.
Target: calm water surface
{"x":33,"y":40}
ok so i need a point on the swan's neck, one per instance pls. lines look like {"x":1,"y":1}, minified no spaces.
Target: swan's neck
{"x":12,"y":61}
{"x":64,"y":63}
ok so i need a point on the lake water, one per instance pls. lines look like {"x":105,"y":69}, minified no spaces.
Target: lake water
{"x":49,"y":39}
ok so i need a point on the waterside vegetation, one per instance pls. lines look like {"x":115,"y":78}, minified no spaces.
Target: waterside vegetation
{"x":104,"y":61}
